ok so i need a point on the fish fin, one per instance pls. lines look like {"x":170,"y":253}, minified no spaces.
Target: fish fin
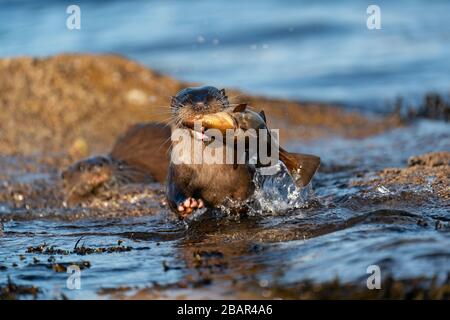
{"x":263,"y":115}
{"x":305,"y":165}
{"x":240,"y":107}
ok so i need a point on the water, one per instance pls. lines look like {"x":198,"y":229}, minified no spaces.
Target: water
{"x":277,"y":193}
{"x":336,"y":232}
{"x":298,"y":49}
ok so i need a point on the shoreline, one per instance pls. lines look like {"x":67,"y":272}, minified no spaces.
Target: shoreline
{"x":59,"y":109}
{"x":51,"y":103}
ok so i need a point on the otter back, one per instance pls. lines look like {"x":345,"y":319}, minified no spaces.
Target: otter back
{"x":146,"y":147}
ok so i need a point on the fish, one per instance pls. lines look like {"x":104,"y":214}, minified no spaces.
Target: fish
{"x":302,"y":167}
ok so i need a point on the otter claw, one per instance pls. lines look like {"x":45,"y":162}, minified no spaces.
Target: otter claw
{"x":189,"y":205}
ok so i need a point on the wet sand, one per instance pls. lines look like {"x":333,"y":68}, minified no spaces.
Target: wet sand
{"x":369,"y":204}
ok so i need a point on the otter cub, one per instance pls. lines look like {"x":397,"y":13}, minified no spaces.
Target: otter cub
{"x":140,"y":155}
{"x":194,"y":185}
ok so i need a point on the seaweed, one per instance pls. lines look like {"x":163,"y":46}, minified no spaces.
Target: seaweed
{"x":62,"y":266}
{"x":12,"y":291}
{"x":83,"y":250}
{"x":45,"y":249}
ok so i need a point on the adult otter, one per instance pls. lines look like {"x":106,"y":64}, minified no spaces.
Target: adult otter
{"x":140,"y":155}
{"x":194,"y":184}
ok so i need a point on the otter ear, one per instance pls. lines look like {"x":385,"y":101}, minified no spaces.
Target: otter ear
{"x":263,"y":115}
{"x":240,"y":107}
{"x":174,"y":101}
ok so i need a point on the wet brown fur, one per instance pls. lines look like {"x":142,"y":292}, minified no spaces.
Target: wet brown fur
{"x":213,"y":183}
{"x":145,"y":147}
{"x":140,"y":155}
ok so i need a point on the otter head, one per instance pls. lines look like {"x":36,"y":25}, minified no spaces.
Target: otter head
{"x":197,"y":101}
{"x":83,"y":178}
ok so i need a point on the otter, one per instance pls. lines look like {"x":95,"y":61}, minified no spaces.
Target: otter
{"x":196,"y":184}
{"x":140,"y":155}
{"x":193,"y":186}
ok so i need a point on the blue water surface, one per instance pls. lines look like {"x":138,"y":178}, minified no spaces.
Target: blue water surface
{"x":313,"y":50}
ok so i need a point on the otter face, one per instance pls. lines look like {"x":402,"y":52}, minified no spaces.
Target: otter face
{"x":198,"y":100}
{"x":84,"y":177}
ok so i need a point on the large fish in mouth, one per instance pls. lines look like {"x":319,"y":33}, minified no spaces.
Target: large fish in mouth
{"x":302,"y":167}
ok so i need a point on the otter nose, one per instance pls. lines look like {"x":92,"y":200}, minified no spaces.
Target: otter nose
{"x":200,"y":105}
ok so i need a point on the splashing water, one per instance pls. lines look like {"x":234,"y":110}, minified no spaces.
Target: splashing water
{"x":275,"y":194}
{"x":278,"y":192}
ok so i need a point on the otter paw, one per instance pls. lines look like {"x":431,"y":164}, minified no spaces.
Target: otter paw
{"x":188,"y":206}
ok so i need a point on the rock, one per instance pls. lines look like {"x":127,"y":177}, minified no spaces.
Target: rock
{"x":49,"y":103}
{"x":79,"y":149}
{"x":434,"y":107}
{"x":136,"y":96}
{"x":429,"y":171}
{"x":433,"y":159}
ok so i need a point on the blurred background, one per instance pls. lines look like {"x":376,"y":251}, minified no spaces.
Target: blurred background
{"x":306,"y":50}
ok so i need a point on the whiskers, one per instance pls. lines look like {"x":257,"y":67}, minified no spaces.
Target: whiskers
{"x":161,"y":111}
{"x":235,"y":101}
